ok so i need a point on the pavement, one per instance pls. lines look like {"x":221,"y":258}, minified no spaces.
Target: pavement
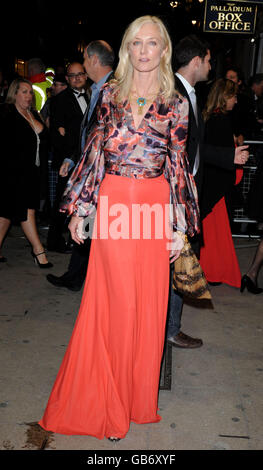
{"x":215,"y":401}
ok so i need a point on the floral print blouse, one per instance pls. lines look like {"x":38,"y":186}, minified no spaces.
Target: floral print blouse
{"x":115,"y":146}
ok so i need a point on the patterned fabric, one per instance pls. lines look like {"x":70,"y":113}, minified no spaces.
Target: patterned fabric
{"x":115,"y":146}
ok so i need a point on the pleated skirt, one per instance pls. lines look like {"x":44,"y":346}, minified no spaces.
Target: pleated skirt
{"x":109,"y":375}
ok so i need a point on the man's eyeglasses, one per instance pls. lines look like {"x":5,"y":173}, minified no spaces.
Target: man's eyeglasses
{"x":76,"y":75}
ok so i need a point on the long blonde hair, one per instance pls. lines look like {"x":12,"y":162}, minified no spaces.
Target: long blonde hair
{"x":219,"y":93}
{"x":124,"y":70}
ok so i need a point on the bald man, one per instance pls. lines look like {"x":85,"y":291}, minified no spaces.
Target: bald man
{"x":98,"y":63}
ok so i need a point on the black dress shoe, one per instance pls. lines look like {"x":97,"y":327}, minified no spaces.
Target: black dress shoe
{"x":60,"y":281}
{"x":184,"y":341}
{"x":251,"y":286}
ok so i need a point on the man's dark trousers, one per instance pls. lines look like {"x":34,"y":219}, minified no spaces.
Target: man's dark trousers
{"x":78,"y":265}
{"x":175,"y":306}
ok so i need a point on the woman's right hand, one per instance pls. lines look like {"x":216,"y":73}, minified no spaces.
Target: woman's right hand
{"x":63,"y":171}
{"x":241,"y":155}
{"x":76,"y":226}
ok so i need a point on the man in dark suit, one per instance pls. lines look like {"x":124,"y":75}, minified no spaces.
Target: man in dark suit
{"x":193,"y":66}
{"x":98,"y":63}
{"x":66,"y":114}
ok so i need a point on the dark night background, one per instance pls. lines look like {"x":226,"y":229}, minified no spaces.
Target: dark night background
{"x":53,"y":30}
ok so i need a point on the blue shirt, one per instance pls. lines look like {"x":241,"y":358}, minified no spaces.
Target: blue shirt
{"x":95,"y":91}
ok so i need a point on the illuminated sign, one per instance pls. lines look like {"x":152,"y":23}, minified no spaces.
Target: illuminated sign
{"x":245,"y":1}
{"x":230,"y":17}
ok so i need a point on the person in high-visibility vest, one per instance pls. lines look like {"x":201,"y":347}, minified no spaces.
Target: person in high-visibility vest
{"x":41,"y":79}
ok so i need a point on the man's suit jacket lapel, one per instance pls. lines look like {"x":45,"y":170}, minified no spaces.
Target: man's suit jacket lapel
{"x":84,"y":120}
{"x":75,"y":103}
{"x":199,"y":127}
{"x":181,"y":88}
{"x":88,"y":123}
{"x":193,"y":134}
{"x":93,"y":116}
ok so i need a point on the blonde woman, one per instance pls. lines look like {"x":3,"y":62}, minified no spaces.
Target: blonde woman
{"x":22,"y":134}
{"x":135,"y":158}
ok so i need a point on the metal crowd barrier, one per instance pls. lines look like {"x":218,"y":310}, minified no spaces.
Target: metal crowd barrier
{"x":240,"y":214}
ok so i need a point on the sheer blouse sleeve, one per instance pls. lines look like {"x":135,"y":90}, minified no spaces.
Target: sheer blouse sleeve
{"x":81,"y":194}
{"x":183,"y":193}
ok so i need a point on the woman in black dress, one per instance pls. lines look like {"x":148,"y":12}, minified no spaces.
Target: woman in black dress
{"x":217,"y":256}
{"x":21,"y":135}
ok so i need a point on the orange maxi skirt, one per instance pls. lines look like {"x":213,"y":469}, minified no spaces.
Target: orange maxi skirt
{"x":110,"y":372}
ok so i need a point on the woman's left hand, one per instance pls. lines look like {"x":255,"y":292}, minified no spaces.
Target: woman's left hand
{"x":176,"y":246}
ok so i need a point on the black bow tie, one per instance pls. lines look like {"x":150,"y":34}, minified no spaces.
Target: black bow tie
{"x":78,"y":93}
